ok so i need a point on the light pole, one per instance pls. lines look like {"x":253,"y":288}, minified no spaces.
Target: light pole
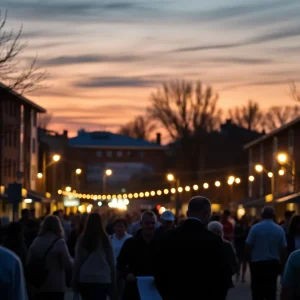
{"x":78,"y":172}
{"x":106,"y":173}
{"x":171,"y":178}
{"x":231,"y":181}
{"x":259,"y":169}
{"x":289,"y":164}
{"x":55,"y":158}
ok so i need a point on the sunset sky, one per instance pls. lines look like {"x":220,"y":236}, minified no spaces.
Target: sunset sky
{"x":105,"y":57}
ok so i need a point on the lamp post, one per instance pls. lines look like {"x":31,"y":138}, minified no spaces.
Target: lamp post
{"x":78,"y":172}
{"x":106,"y":173}
{"x":171,"y":178}
{"x":55,"y":158}
{"x":259,"y":169}
{"x":289,"y":164}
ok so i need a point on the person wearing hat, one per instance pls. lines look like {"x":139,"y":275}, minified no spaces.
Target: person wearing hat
{"x":167,"y":220}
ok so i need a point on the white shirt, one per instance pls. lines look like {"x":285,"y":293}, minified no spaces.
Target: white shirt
{"x":118,"y":244}
{"x":266,"y":239}
{"x":12,"y":282}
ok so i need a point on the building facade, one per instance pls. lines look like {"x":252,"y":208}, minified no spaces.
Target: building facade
{"x":273,"y":169}
{"x":18,"y":142}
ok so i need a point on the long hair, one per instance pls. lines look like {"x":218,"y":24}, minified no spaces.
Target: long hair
{"x":82,"y":224}
{"x":295,"y":221}
{"x":94,"y":234}
{"x":51,"y":224}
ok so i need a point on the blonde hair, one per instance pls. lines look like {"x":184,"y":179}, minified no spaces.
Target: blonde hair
{"x":51,"y":224}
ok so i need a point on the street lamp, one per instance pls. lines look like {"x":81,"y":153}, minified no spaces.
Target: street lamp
{"x":171,"y":178}
{"x":107,"y":173}
{"x":217,"y":183}
{"x":281,"y":172}
{"x":39,"y":175}
{"x":282,"y":158}
{"x":259,"y":168}
{"x":56,"y":157}
{"x":251,"y":178}
{"x":78,"y":171}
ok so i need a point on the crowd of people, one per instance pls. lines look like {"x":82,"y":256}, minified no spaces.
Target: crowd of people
{"x":101,"y":255}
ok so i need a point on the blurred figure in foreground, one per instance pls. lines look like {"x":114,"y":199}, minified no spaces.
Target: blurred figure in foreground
{"x":11,"y":276}
{"x":94,"y":268}
{"x":293,"y":235}
{"x":266,"y":249}
{"x":190,"y":262}
{"x":14,"y":241}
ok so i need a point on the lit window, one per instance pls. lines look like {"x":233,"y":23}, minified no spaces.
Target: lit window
{"x":99,"y":153}
{"x":119,"y":154}
{"x":141,"y":154}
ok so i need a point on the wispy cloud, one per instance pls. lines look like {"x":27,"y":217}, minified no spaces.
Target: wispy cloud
{"x":90,"y":58}
{"x":115,"y":82}
{"x":283,"y":33}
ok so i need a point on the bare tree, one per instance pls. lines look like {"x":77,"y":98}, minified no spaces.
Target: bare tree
{"x":185,"y":109}
{"x":140,"y":128}
{"x":44,"y":120}
{"x":249,"y":116}
{"x":15,"y":75}
{"x":294,"y":92}
{"x":277,"y":116}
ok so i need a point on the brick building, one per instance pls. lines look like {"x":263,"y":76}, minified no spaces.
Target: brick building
{"x":279,"y":182}
{"x":136,"y":164}
{"x":18,"y":144}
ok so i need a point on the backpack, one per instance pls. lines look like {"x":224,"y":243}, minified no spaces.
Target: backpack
{"x":36,"y":270}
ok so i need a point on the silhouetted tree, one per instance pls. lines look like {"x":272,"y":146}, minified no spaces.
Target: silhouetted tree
{"x":277,"y":116}
{"x":140,"y":128}
{"x":294,"y":92}
{"x":249,"y":116}
{"x":15,"y":75}
{"x":185,"y":109}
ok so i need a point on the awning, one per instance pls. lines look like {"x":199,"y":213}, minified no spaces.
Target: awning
{"x":259,"y":202}
{"x":37,"y":197}
{"x":292,"y":198}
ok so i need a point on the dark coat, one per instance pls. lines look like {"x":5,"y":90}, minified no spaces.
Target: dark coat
{"x":191,"y":264}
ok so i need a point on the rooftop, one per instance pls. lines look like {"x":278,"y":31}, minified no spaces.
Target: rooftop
{"x":104,"y":139}
{"x":272,"y":133}
{"x":22,"y":98}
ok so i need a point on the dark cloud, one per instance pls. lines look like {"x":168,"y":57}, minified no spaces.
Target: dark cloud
{"x":242,"y":61}
{"x":283,"y":33}
{"x":107,"y":82}
{"x":82,"y":59}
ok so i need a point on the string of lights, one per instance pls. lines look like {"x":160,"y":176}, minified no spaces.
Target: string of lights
{"x":145,"y":194}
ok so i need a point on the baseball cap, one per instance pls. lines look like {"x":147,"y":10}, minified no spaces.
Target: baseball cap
{"x":168,"y":216}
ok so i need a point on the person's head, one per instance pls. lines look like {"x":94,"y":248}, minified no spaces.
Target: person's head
{"x":167,"y":219}
{"x":94,"y":233}
{"x":268,"y":213}
{"x":82,"y":223}
{"x":51,"y":224}
{"x":148,"y":222}
{"x":216,"y":228}
{"x":294,"y":227}
{"x":199,"y":207}
{"x":25,"y":214}
{"x":289,"y":214}
{"x":120,"y":226}
{"x":14,"y":231}
{"x":226,"y":214}
{"x":59,"y":213}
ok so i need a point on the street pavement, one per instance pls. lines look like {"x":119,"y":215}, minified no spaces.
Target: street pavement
{"x":241,"y":291}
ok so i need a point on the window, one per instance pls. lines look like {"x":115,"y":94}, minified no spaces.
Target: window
{"x":129,"y":154}
{"x":9,"y":168}
{"x":14,"y":168}
{"x":291,"y":141}
{"x":15,"y":139}
{"x":99,"y":153}
{"x":275,"y":144}
{"x":9,"y":135}
{"x":34,"y":118}
{"x":5,"y":138}
{"x":119,"y":154}
{"x":33,"y":145}
{"x":5,"y":167}
{"x":141,"y":154}
{"x":108,"y":153}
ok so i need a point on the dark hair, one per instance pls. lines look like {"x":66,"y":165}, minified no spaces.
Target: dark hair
{"x":120,"y":220}
{"x":94,"y":233}
{"x":226,"y":213}
{"x":295,"y":221}
{"x":14,"y":230}
{"x":198,"y":204}
{"x":51,"y":224}
{"x":288,"y":214}
{"x":82,"y":223}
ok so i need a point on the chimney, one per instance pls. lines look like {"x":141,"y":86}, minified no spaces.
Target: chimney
{"x":65,"y":133}
{"x":158,"y":138}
